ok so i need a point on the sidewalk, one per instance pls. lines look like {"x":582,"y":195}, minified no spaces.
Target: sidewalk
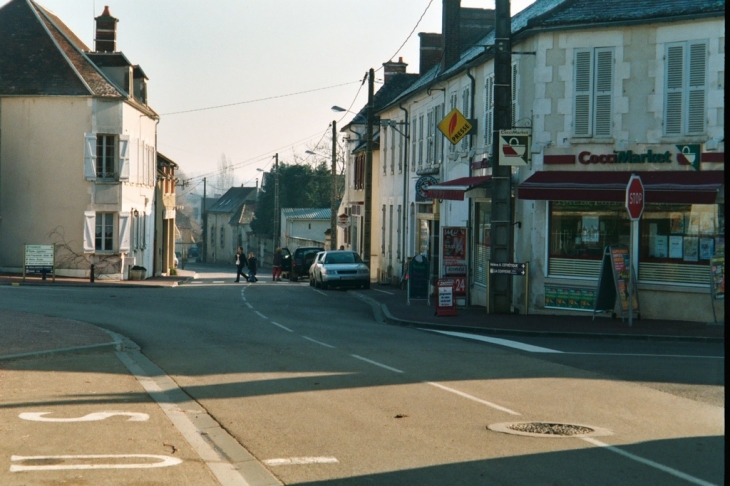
{"x":475,"y":319}
{"x":25,"y":334}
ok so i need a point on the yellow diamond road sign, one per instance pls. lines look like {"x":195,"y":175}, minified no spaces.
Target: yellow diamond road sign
{"x":454,"y":126}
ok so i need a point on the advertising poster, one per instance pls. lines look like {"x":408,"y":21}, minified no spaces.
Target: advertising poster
{"x":621,"y":266}
{"x":675,"y":247}
{"x":691,"y":249}
{"x":454,"y":251}
{"x":717,"y":276}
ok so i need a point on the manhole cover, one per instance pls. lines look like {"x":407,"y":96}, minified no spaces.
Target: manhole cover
{"x":548,"y":429}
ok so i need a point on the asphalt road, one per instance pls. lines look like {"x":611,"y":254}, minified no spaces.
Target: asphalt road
{"x":321,"y":393}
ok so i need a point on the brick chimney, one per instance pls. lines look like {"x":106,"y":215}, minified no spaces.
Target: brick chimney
{"x":430,"y":51}
{"x":475,"y":24}
{"x":105,"y":39}
{"x":450,"y":27}
{"x":391,"y":67}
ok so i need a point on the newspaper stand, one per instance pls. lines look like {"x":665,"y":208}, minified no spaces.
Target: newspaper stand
{"x":444,"y":298}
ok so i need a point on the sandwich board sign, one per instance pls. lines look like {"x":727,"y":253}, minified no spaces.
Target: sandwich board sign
{"x":514,"y":147}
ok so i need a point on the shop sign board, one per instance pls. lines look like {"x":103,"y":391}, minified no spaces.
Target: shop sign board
{"x":343,"y":221}
{"x":507,"y":268}
{"x":39,"y":258}
{"x":613,"y":282}
{"x":455,"y":126}
{"x":422,"y":185}
{"x":454,"y":251}
{"x":635,"y":197}
{"x":445,"y":303}
{"x":514,"y":147}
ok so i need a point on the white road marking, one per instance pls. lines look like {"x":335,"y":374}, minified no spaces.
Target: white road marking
{"x":164,"y":461}
{"x":300,"y":460}
{"x":90,"y":417}
{"x":501,"y":342}
{"x":219,"y":281}
{"x":376,"y":363}
{"x":249,"y":305}
{"x":318,"y":342}
{"x":279,"y":325}
{"x":470,"y":397}
{"x":647,"y":355}
{"x":320,"y":292}
{"x":260,"y":315}
{"x":648,"y":462}
{"x":197,"y":281}
{"x":383,"y":291}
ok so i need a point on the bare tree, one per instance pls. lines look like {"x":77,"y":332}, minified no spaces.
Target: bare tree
{"x":224,"y":178}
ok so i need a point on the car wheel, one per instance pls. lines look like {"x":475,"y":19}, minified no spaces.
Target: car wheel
{"x":323,"y":285}
{"x":311,"y":281}
{"x":366,"y":285}
{"x":316,"y":283}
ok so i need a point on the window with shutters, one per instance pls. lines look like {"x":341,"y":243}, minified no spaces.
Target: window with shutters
{"x":104,"y":232}
{"x":465,"y":106}
{"x":420,"y":141}
{"x":489,"y":113}
{"x":384,"y":136}
{"x":430,"y":136}
{"x":223,"y":236}
{"x":358,"y":177}
{"x":398,"y":232}
{"x":413,"y":144}
{"x":452,"y":105}
{"x":685,"y":88}
{"x":390,"y":230}
{"x":593,"y":100}
{"x":392,"y":151}
{"x":106,"y":156}
{"x":438,"y":136}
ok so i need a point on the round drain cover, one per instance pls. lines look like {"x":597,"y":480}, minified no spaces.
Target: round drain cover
{"x":548,"y":429}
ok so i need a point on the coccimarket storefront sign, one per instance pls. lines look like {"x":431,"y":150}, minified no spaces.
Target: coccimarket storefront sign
{"x":685,"y":155}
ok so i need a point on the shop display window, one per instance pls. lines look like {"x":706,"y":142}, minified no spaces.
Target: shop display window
{"x":676,"y":241}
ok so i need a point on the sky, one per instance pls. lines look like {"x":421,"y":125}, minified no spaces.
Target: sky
{"x":247,"y":79}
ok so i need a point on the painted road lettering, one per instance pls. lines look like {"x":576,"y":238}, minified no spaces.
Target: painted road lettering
{"x":90,"y":417}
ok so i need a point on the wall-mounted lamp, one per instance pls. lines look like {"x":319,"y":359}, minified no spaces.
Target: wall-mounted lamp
{"x":135,"y":213}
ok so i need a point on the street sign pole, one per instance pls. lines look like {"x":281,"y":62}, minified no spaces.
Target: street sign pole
{"x":635,"y":208}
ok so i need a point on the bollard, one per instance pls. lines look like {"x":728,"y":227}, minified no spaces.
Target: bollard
{"x":91,"y":273}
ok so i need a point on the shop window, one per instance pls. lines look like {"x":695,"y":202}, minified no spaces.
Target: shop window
{"x":685,"y":88}
{"x":675,"y":241}
{"x":593,"y":92}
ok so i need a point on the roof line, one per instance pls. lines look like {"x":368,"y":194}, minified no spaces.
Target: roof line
{"x":37,"y":11}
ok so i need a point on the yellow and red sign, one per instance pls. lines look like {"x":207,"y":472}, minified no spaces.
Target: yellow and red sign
{"x":455,"y":126}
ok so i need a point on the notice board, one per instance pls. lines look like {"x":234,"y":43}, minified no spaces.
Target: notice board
{"x":613,"y":281}
{"x":418,"y":274}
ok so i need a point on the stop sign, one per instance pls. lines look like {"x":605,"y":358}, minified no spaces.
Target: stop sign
{"x":635,"y":197}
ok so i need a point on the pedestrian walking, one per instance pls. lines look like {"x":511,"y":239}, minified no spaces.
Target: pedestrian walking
{"x":252,"y":268}
{"x":276,"y":264}
{"x":241,"y":263}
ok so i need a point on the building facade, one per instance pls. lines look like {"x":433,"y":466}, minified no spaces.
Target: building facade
{"x":77,"y":146}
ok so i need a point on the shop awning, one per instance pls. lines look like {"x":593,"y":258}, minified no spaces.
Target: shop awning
{"x":680,"y":187}
{"x":455,"y":189}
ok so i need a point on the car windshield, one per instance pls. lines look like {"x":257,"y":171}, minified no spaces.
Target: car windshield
{"x":343,"y":257}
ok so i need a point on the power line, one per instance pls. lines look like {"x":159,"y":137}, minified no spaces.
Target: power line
{"x":412,"y":31}
{"x":259,"y":99}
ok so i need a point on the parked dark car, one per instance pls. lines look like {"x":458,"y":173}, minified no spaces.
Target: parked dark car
{"x":193,"y":252}
{"x":301,"y":261}
{"x":285,"y":260}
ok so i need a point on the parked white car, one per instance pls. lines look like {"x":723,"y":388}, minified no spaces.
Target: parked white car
{"x":339,"y":268}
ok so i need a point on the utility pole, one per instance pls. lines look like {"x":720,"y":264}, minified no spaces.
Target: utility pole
{"x":368,"y":170}
{"x":205,"y":223}
{"x":500,"y":288}
{"x":333,"y":215}
{"x":277,"y":210}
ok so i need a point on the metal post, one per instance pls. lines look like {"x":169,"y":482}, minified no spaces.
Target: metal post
{"x":527,"y":286}
{"x":333,"y":216}
{"x":205,"y":223}
{"x":500,"y":293}
{"x":277,"y":243}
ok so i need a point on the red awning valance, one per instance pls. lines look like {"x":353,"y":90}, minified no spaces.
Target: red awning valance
{"x":680,"y":187}
{"x":454,"y":190}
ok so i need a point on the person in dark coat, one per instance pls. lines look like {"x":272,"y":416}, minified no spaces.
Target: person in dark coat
{"x":252,"y":268}
{"x":241,"y":263}
{"x":276,"y":264}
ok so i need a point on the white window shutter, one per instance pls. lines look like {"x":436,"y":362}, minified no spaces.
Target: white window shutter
{"x":124,"y":232}
{"x":583,"y":80}
{"x":123,"y":157}
{"x":604,"y":92}
{"x":90,"y":156}
{"x":513,"y":97}
{"x":89,"y":231}
{"x":697,"y":71}
{"x":674,"y":84}
{"x":489,"y":111}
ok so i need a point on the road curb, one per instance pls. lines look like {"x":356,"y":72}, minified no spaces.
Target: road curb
{"x":388,"y":318}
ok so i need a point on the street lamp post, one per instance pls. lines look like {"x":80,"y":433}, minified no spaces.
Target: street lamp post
{"x":333,"y":214}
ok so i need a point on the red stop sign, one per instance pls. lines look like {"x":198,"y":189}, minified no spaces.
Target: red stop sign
{"x":635,"y":197}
